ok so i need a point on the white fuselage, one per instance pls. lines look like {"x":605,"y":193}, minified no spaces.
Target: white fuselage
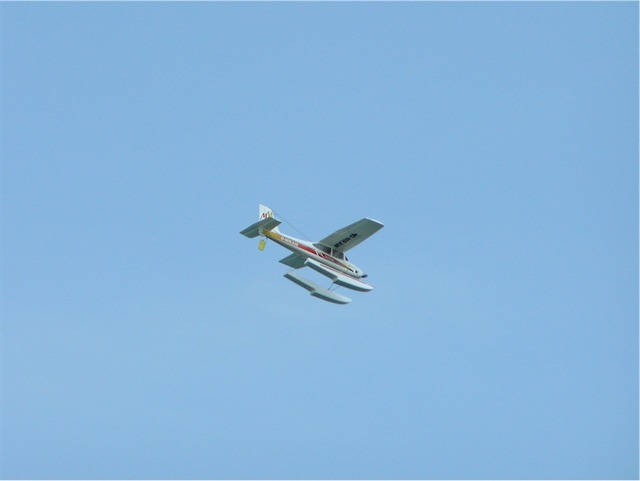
{"x":307,"y":249}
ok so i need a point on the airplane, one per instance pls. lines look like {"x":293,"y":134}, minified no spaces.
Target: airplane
{"x":327,"y":256}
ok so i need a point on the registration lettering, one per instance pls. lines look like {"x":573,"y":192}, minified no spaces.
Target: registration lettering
{"x":345,"y":240}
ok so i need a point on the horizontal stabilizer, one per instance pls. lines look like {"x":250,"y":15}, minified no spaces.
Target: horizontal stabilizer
{"x":294,"y":260}
{"x":338,"y":277}
{"x":317,"y":290}
{"x":254,"y":230}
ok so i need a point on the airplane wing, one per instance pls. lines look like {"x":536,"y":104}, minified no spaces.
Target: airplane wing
{"x":351,"y":235}
{"x":294,"y":260}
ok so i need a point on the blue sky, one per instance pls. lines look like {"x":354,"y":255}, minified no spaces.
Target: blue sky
{"x":143,"y":337}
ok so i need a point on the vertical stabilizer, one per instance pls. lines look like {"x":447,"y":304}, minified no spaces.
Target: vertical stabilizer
{"x":265,"y":212}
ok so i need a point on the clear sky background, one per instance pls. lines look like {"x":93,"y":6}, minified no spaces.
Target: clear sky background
{"x":143,"y":337}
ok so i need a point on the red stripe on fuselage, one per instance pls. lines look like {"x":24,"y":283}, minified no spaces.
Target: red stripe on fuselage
{"x":292,"y":245}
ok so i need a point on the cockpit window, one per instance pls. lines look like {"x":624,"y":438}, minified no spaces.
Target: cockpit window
{"x":323,"y":248}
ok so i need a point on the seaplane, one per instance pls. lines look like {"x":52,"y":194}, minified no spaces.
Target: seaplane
{"x":327,"y":256}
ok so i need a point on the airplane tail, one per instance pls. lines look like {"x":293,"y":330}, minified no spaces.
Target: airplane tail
{"x":266,"y":221}
{"x":265,"y":212}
